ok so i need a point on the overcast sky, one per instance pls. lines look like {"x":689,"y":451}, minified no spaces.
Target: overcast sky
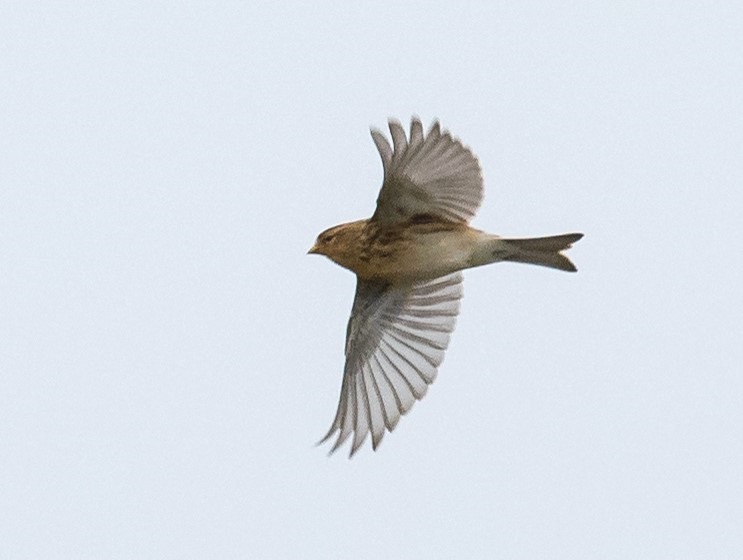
{"x":169,"y":354}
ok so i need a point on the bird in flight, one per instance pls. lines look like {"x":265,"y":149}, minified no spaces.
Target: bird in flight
{"x":408,"y":259}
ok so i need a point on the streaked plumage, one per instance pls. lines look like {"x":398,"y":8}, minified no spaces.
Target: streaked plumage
{"x":407,"y":259}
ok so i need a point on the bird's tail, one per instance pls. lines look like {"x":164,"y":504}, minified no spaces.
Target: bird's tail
{"x":542,"y":251}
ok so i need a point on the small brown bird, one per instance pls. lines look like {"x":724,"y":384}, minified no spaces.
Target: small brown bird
{"x":407,"y":259}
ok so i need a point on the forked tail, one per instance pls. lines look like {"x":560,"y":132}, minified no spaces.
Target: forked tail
{"x":543,"y":251}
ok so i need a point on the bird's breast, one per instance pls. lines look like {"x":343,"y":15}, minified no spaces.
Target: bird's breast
{"x":412,"y":253}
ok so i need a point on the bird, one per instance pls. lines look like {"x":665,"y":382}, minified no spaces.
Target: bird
{"x":408,"y":259}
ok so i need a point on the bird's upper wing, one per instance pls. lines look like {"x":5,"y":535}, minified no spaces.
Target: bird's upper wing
{"x":433,"y":174}
{"x":395,"y":341}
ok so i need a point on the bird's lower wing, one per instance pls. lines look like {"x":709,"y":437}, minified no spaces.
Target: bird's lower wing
{"x":395,"y":342}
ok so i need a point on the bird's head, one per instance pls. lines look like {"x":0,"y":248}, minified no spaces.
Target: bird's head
{"x":339,"y":243}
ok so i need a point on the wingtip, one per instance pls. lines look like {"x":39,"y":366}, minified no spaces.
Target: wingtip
{"x":383,"y":147}
{"x":376,"y":133}
{"x":399,"y":139}
{"x":376,"y":441}
{"x":392,"y":122}
{"x":329,"y":434}
{"x":324,"y":440}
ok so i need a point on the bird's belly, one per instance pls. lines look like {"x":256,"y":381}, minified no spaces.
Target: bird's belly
{"x":421,"y":257}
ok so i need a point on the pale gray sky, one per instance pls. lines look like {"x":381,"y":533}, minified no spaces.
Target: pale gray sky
{"x":169,"y":354}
